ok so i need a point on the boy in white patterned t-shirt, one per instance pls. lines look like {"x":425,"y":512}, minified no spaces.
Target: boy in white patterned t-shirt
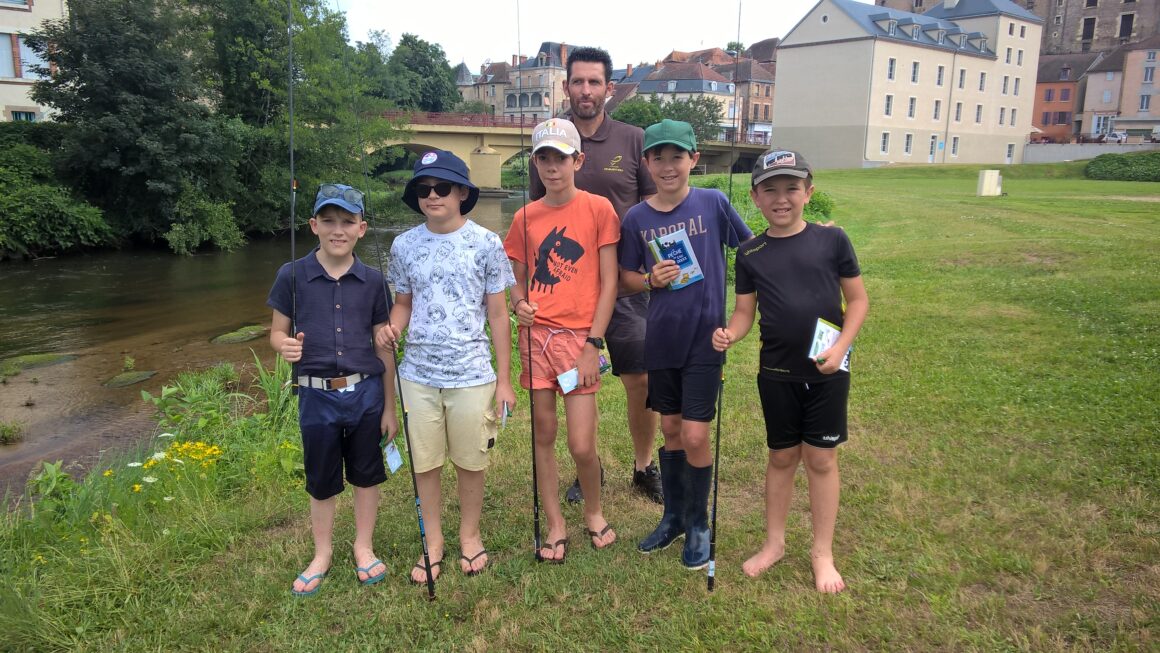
{"x":450,"y":276}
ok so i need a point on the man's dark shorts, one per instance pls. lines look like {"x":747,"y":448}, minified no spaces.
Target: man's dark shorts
{"x":810,"y":413}
{"x":625,"y":334}
{"x":342,"y":427}
{"x":690,"y":391}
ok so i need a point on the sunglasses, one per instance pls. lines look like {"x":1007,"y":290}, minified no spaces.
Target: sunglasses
{"x":442,"y":189}
{"x":331,"y":191}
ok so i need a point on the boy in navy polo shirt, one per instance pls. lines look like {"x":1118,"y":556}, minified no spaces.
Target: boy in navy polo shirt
{"x":798,"y":274}
{"x":684,"y":372}
{"x":346,"y":393}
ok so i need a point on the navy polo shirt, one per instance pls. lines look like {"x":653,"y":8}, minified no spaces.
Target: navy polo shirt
{"x":337,"y":316}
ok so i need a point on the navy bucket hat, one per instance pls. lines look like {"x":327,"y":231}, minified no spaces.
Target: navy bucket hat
{"x":444,"y":165}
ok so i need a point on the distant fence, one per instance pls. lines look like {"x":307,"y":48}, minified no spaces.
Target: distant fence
{"x":1058,"y":152}
{"x":461,"y":119}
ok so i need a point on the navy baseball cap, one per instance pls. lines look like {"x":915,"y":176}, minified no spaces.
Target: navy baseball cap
{"x":340,"y":195}
{"x":444,"y":165}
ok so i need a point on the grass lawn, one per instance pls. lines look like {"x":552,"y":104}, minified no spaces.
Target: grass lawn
{"x":1000,"y":486}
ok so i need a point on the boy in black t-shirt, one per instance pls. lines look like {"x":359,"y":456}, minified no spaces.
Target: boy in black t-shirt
{"x":798,"y":273}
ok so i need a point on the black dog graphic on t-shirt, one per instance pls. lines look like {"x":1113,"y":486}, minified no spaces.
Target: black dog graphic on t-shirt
{"x":556,"y":260}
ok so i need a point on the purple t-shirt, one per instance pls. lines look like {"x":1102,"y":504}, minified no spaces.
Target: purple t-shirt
{"x":681,"y":322}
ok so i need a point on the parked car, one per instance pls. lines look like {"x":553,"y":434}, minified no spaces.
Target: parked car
{"x":1155,"y":137}
{"x":1114,"y":137}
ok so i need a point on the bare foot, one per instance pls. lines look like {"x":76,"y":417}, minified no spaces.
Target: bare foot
{"x":826,"y":576}
{"x":419,"y":571}
{"x":767,"y":557}
{"x":315,"y":571}
{"x":367,"y":566}
{"x":602,"y":535}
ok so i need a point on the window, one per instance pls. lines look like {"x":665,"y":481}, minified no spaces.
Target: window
{"x":1107,"y":98}
{"x":1152,"y":56}
{"x":1126,"y":22}
{"x":1046,"y":119}
{"x":890,"y":67}
{"x":1149,"y":73}
{"x":937,"y":109}
{"x":954,"y":146}
{"x":892,"y":27}
{"x":1092,"y":3}
{"x":884,"y":148}
{"x":1006,"y":80}
{"x":1007,"y":59}
{"x":712,"y":86}
{"x":1010,"y":29}
{"x":889,"y":108}
{"x":672,"y":85}
{"x":537,"y":100}
{"x":29,"y":60}
{"x":765,"y":112}
{"x":1064,"y":94}
{"x":982,"y":81}
{"x":511,"y":101}
{"x":1002,"y":115}
{"x":7,"y":66}
{"x":1016,"y":89}
{"x":958,"y":111}
{"x":1012,"y":123}
{"x":962,"y":77}
{"x":1058,"y":20}
{"x":768,"y":87}
{"x":910,"y":108}
{"x":978,"y":114}
{"x":23,"y":116}
{"x":1089,"y":29}
{"x":938,"y":78}
{"x":914,"y":72}
{"x":1019,"y":58}
{"x":1062,"y":117}
{"x":1145,"y":102}
{"x":756,"y":112}
{"x":1022,"y":31}
{"x":491,"y":91}
{"x":1110,"y":75}
{"x":908,"y":143}
{"x":1064,"y":74}
{"x":1049,"y":95}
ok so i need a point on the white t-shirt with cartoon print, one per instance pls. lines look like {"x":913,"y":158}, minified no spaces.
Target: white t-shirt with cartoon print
{"x":448,"y":277}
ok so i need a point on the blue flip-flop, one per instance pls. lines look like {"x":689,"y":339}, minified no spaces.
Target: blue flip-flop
{"x":370,"y":580}
{"x":306,"y":580}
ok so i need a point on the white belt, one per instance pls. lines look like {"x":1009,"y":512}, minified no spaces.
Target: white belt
{"x":320,"y":383}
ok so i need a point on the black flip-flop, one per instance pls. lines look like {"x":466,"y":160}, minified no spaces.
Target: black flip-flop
{"x":558,"y":543}
{"x":429,"y":569}
{"x":470,"y":561}
{"x":601,"y":534}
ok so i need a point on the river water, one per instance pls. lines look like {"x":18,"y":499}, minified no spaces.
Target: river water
{"x":156,"y":308}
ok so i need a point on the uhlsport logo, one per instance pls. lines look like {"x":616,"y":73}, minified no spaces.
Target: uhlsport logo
{"x":779,"y":159}
{"x":429,"y":158}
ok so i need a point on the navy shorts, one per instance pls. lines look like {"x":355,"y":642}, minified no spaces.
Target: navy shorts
{"x":690,"y":391}
{"x":625,"y":334}
{"x":810,"y":413}
{"x":342,"y":428}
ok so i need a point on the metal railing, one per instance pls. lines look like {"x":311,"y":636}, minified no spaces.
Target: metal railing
{"x":459,"y":119}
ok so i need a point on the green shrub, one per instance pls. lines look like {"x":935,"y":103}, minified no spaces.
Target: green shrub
{"x":1142,"y":166}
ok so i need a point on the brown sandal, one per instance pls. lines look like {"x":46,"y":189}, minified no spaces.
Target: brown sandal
{"x":562,"y":542}
{"x":470,"y":561}
{"x":600,"y":535}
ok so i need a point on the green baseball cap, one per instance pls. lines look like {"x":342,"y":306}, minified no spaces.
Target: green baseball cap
{"x":670,"y":132}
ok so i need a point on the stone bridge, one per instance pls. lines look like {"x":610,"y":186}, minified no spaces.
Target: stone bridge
{"x":486,"y":142}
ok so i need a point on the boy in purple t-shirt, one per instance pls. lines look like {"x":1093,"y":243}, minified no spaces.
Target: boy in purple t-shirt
{"x":684,"y":370}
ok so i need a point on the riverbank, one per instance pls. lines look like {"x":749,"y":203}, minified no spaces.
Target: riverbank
{"x":999,"y":486}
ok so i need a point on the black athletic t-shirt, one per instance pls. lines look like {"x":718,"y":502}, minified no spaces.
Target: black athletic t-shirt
{"x":797,"y":280}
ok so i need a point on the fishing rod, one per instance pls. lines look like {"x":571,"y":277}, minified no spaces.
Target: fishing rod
{"x":376,"y":240}
{"x":293,"y":221}
{"x":536,"y":537}
{"x":712,"y":573}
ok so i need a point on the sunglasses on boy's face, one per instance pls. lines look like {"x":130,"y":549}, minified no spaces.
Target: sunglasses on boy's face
{"x":442,"y":189}
{"x":330,"y":191}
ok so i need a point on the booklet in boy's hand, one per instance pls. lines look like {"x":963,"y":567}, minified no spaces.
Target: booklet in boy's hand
{"x":825,"y":335}
{"x":570,"y":380}
{"x":675,"y":246}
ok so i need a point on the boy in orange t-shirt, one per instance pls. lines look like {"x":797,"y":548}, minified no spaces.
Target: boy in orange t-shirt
{"x":568,"y":239}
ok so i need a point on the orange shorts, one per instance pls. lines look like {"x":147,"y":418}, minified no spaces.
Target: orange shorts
{"x":554,"y":351}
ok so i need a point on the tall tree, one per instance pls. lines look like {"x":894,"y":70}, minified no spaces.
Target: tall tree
{"x":700,"y":111}
{"x":639,"y":111}
{"x":419,"y":76}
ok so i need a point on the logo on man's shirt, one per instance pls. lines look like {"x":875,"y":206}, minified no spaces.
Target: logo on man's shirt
{"x":614,"y":164}
{"x":556,"y":260}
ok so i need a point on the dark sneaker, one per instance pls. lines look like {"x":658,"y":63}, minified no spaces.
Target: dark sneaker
{"x":648,"y":483}
{"x":574,"y":495}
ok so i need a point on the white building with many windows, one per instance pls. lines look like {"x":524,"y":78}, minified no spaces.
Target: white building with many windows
{"x":861,"y":85}
{"x":19,"y":17}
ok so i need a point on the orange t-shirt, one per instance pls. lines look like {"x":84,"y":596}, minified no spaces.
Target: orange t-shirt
{"x":564,"y":243}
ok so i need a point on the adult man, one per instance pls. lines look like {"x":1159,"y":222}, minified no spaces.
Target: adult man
{"x":613,"y":168}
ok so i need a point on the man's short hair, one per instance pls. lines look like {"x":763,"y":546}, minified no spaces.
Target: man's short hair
{"x":591,"y":55}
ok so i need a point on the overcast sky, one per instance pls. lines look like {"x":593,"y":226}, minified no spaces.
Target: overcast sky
{"x":632,"y":31}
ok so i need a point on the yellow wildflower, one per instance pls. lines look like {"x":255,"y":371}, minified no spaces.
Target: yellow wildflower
{"x":136,"y":487}
{"x":108,"y":473}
